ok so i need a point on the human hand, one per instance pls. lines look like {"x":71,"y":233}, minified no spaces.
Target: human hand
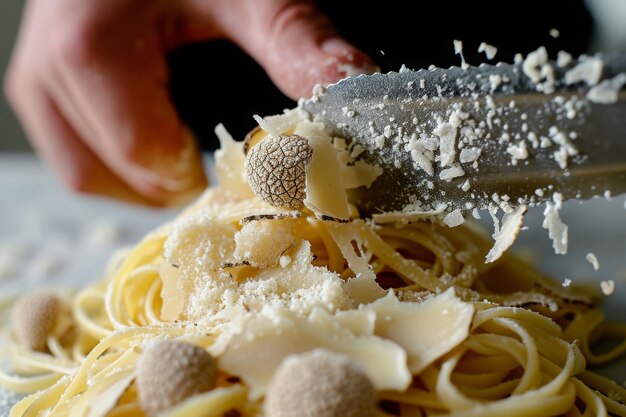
{"x":89,"y":81}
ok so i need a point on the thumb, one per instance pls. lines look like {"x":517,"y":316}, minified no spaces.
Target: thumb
{"x":294,"y":42}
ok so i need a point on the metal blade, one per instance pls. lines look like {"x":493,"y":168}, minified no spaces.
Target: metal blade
{"x":574,"y":146}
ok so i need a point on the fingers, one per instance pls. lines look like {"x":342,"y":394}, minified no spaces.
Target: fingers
{"x":101,"y":112}
{"x":116,"y":86}
{"x":55,"y":140}
{"x":295,"y":43}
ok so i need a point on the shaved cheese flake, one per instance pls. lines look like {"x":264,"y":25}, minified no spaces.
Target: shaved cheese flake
{"x":588,"y":70}
{"x":489,"y":50}
{"x":230,"y":163}
{"x":426,"y":330}
{"x":255,"y":354}
{"x":458,"y":50}
{"x":469,"y":155}
{"x":534,"y":62}
{"x":518,"y":151}
{"x":360,"y":174}
{"x":363,"y":287}
{"x":325,"y":192}
{"x":607,"y":287}
{"x":593,"y":260}
{"x":447,"y":141}
{"x":423,"y":161}
{"x":108,"y":395}
{"x":607,"y":91}
{"x":359,"y":322}
{"x":450,"y":173}
{"x":557,"y":230}
{"x":458,"y":46}
{"x":173,"y":298}
{"x":282,"y":123}
{"x":563,"y":59}
{"x":454,"y":218}
{"x":507,"y":233}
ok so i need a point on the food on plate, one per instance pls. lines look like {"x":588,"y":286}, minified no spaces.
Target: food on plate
{"x":270,"y":296}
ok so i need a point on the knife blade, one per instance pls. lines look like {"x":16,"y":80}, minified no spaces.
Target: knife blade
{"x":483,"y":136}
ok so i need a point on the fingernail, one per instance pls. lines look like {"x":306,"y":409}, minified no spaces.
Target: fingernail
{"x":337,"y":46}
{"x":352,"y":61}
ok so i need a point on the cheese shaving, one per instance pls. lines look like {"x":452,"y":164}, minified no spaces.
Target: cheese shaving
{"x":507,"y":233}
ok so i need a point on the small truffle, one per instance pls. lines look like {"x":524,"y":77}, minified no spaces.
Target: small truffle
{"x":319,"y":384}
{"x":276,"y":170}
{"x":34,"y":318}
{"x":171,"y":371}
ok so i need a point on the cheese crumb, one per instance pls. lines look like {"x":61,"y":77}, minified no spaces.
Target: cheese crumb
{"x":454,"y":218}
{"x":563,"y":59}
{"x":566,"y":282}
{"x":506,"y":234}
{"x":593,"y":260}
{"x":489,"y":50}
{"x":588,"y":70}
{"x":450,"y":173}
{"x":469,"y":155}
{"x":458,"y":50}
{"x":495,"y":80}
{"x":607,"y":91}
{"x":518,"y":151}
{"x":557,"y":230}
{"x":554,"y":33}
{"x":607,"y":287}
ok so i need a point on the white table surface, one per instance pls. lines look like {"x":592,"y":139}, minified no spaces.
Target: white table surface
{"x":50,"y":237}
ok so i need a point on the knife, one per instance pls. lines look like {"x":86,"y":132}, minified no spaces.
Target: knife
{"x":505,"y":134}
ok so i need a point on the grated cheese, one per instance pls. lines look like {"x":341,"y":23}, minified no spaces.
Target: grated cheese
{"x":450,"y":173}
{"x":588,"y":70}
{"x":458,"y":50}
{"x":607,"y":91}
{"x":593,"y":260}
{"x":506,"y":234}
{"x":489,"y":50}
{"x":607,"y":287}
{"x":423,"y":329}
{"x":557,"y":230}
{"x":454,"y":218}
{"x":268,"y":339}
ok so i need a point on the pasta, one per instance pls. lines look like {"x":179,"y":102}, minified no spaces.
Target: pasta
{"x":411,"y":304}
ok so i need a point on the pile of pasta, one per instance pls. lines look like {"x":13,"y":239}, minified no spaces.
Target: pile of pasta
{"x":240,"y":308}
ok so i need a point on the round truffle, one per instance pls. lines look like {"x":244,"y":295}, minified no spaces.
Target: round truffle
{"x":171,"y":371}
{"x":319,"y":384}
{"x":276,"y":170}
{"x":33,"y":319}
